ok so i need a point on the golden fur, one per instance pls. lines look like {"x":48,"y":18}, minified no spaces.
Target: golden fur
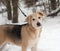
{"x":29,"y":34}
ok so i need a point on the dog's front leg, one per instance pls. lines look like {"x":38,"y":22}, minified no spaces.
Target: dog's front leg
{"x":34,"y":48}
{"x":24,"y":48}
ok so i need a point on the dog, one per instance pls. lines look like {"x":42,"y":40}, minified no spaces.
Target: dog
{"x":26,"y":35}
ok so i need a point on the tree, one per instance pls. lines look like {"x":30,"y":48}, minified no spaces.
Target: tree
{"x":14,"y":16}
{"x":53,"y":4}
{"x":8,"y":9}
{"x":30,"y":3}
{"x":15,"y":10}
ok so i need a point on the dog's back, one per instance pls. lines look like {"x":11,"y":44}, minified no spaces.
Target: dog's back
{"x":13,"y":32}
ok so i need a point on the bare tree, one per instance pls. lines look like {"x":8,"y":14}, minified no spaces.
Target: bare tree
{"x":58,"y":2}
{"x":15,"y":10}
{"x":53,"y":4}
{"x":8,"y":9}
{"x":14,"y":16}
{"x":0,"y":1}
{"x":30,"y":3}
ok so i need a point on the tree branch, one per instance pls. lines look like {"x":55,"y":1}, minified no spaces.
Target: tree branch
{"x":54,"y":12}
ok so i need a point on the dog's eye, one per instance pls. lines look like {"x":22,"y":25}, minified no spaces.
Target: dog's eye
{"x":33,"y":19}
{"x":38,"y":17}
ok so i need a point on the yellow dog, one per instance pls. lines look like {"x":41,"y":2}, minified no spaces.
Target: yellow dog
{"x":26,"y":35}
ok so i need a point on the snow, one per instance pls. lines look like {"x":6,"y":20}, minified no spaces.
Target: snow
{"x":50,"y":37}
{"x":10,"y":47}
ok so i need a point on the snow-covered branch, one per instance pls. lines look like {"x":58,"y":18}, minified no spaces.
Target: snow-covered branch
{"x":54,"y":12}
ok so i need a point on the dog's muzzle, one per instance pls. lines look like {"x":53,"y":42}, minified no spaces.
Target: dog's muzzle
{"x":38,"y":24}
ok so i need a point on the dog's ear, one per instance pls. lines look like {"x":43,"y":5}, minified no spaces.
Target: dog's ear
{"x":42,"y":14}
{"x":28,"y":19}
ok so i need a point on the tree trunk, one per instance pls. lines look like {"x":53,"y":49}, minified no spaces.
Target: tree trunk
{"x":58,"y":2}
{"x":53,"y":4}
{"x":30,"y":3}
{"x":15,"y":11}
{"x":9,"y":14}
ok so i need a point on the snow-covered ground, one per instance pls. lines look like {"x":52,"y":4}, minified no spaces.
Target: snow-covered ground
{"x":50,"y":36}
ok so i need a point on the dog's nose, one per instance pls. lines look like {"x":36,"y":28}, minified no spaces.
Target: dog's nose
{"x":38,"y":24}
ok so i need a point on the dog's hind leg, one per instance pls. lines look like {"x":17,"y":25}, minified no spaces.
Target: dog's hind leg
{"x":3,"y":46}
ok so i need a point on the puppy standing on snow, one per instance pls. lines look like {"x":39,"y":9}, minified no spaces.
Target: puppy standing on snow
{"x":23,"y":35}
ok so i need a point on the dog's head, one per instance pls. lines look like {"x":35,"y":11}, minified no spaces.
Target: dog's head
{"x":35,"y":19}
